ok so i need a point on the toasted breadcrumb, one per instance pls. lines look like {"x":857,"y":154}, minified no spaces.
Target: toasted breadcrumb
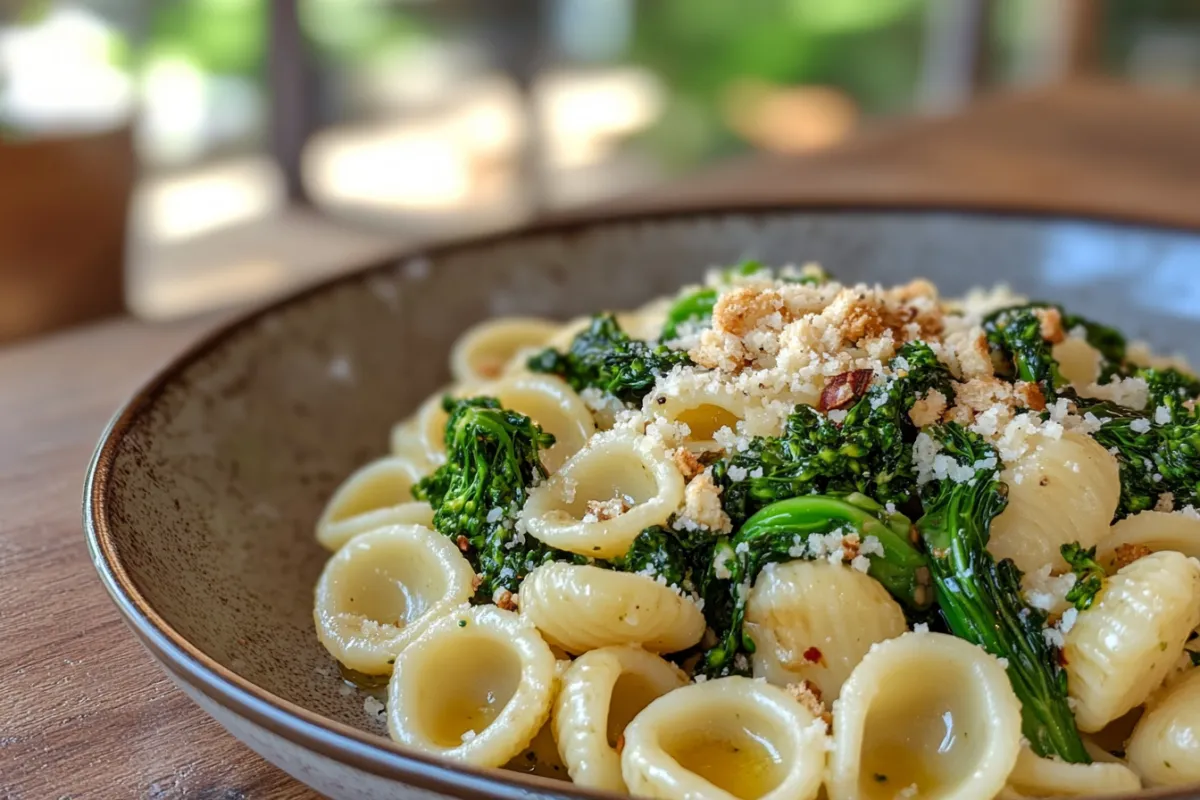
{"x":928,"y":410}
{"x":608,"y":509}
{"x":1126,"y":554}
{"x":808,"y":695}
{"x":689,"y":466}
{"x":1051,"y":324}
{"x":506,"y":600}
{"x":702,"y":505}
{"x":1029,"y":395}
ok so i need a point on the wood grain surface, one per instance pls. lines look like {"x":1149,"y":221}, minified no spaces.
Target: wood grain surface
{"x":83,"y":710}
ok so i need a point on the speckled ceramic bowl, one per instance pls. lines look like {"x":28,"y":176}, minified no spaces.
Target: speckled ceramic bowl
{"x":200,"y":503}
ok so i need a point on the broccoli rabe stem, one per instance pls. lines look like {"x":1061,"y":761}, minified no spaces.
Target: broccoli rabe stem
{"x":604,"y":357}
{"x":981,"y":599}
{"x":493,"y":458}
{"x":785,"y":531}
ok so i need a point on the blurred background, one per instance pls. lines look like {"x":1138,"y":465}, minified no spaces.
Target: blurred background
{"x":209,"y":152}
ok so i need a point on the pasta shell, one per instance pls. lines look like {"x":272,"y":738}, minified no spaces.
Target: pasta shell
{"x":581,"y":608}
{"x":1121,"y":649}
{"x":382,"y":589}
{"x":813,"y":620}
{"x":723,"y":739}
{"x":476,"y":687}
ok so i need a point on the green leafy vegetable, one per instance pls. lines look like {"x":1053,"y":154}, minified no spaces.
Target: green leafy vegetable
{"x":1170,"y":389}
{"x":870,"y":452}
{"x":981,"y":598}
{"x":605,"y":357}
{"x":793,"y":529}
{"x":1089,"y":575}
{"x":492,"y":459}
{"x":1021,"y":353}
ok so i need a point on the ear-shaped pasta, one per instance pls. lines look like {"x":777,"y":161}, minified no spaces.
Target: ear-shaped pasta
{"x":475,"y":687}
{"x":1066,"y":490}
{"x":704,"y":410}
{"x":551,"y":403}
{"x":430,"y":421}
{"x":724,"y":739}
{"x":812,"y":620}
{"x":571,"y":510}
{"x":928,"y":711}
{"x":581,"y":608}
{"x":1153,"y":530}
{"x":405,"y":442}
{"x":1165,"y":746}
{"x":602,"y":691}
{"x":382,"y":589}
{"x":1121,"y":649}
{"x":647,"y":321}
{"x":540,"y":757}
{"x":483,"y":352}
{"x":375,"y":495}
{"x":1078,"y":361}
{"x":1050,"y":777}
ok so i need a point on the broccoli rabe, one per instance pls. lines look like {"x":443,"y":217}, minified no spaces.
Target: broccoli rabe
{"x":679,"y":557}
{"x":869,"y":452}
{"x":605,"y":357}
{"x":1020,"y":352}
{"x":1089,"y":575}
{"x":793,"y":529}
{"x":1153,"y":458}
{"x":492,"y":459}
{"x":1170,"y":389}
{"x":980,"y":598}
{"x":1108,"y":342}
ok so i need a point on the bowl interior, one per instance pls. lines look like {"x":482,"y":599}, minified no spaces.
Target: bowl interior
{"x":220,"y":469}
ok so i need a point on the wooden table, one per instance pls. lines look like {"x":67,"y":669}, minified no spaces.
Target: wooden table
{"x":84,"y":712}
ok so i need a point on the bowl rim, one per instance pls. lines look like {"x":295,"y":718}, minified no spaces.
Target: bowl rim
{"x":352,"y":746}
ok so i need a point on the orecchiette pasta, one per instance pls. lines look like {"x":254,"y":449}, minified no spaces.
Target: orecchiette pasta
{"x":604,"y":496}
{"x":376,"y":495}
{"x":812,"y":620}
{"x":925,"y":710}
{"x":1078,"y":361}
{"x":702,"y":410}
{"x":1066,"y":490}
{"x":1121,"y":649}
{"x":775,"y":473}
{"x":1153,"y":530}
{"x":483,"y":352}
{"x":1047,"y":777}
{"x":581,"y":608}
{"x":602,"y":691}
{"x":1165,"y":746}
{"x":552,"y":404}
{"x":724,"y":739}
{"x":382,"y":589}
{"x":477,"y":686}
{"x":430,"y":422}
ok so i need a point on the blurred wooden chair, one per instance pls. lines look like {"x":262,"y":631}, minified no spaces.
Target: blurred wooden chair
{"x":64,"y":205}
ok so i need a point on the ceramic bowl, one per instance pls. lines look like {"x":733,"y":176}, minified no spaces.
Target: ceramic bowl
{"x":200,"y":503}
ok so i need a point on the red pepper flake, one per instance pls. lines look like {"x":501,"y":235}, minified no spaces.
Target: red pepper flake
{"x":842,"y":390}
{"x":813,"y":655}
{"x":620,"y":743}
{"x":1062,"y":657}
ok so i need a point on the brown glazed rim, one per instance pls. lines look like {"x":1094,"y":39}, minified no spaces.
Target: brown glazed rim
{"x":341,"y":742}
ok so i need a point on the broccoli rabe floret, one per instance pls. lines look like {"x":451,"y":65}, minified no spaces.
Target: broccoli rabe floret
{"x":981,"y":599}
{"x":787,"y":530}
{"x":869,"y":452}
{"x":606,"y":358}
{"x":1170,"y":389}
{"x":1020,"y":352}
{"x":1089,"y":575}
{"x":492,"y":460}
